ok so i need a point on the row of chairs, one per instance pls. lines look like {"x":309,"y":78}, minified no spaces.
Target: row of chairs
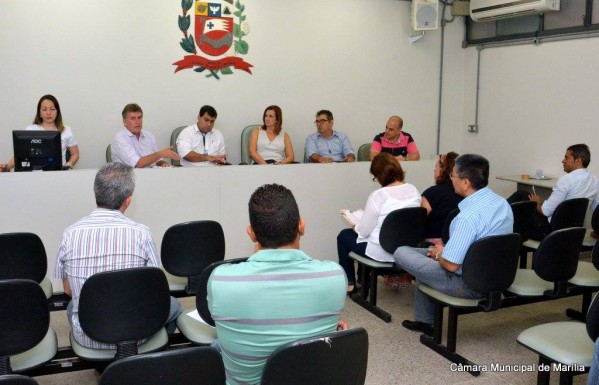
{"x":334,"y":358}
{"x":190,"y":250}
{"x":556,"y":273}
{"x":363,"y":154}
{"x":496,"y":273}
{"x":406,"y":227}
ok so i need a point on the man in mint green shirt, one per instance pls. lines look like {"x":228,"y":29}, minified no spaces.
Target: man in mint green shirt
{"x":278,"y":296}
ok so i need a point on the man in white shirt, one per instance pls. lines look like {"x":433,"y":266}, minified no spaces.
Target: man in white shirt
{"x":201,"y":144}
{"x":136,"y":147}
{"x":577,"y":183}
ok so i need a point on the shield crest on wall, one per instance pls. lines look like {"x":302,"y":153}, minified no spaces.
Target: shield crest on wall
{"x":213,"y":27}
{"x":219,"y":40}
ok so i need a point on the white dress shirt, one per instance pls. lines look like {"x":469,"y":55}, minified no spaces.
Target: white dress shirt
{"x":192,"y":139}
{"x":576,"y":184}
{"x":126,"y":148}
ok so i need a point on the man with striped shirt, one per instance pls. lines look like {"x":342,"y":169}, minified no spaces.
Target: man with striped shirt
{"x":278,"y":296}
{"x":103,"y":241}
{"x":482,"y":213}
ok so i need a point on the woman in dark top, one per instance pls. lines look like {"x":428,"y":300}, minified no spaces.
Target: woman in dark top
{"x":439,"y":200}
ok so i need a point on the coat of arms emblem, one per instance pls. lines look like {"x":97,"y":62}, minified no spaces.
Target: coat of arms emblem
{"x":220,"y":28}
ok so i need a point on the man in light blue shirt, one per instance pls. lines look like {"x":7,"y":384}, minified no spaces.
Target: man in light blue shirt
{"x":327,"y":145}
{"x":482,"y":213}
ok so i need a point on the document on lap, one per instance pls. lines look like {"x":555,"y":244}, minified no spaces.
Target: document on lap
{"x":352,"y":217}
{"x":195,"y":315}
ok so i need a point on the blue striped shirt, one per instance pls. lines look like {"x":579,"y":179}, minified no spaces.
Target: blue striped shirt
{"x":481,"y":214}
{"x":276,"y":297}
{"x":103,"y":241}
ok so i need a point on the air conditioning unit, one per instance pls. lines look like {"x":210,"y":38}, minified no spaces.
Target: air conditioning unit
{"x":425,"y":15}
{"x":485,"y":10}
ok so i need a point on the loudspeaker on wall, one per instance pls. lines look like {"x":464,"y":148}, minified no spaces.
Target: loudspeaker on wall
{"x":425,"y":15}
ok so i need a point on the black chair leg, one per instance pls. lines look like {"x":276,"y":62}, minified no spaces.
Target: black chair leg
{"x":581,"y":315}
{"x":565,"y":378}
{"x":523,"y":258}
{"x":369,"y":287}
{"x":543,"y":375}
{"x":435,"y":342}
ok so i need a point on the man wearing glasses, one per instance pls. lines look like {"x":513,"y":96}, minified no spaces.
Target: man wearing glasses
{"x":482,"y":213}
{"x":201,"y":144}
{"x":327,"y":145}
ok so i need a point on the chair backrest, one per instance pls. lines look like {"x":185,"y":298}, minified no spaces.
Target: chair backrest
{"x":569,"y":213}
{"x":447,"y":224}
{"x":109,"y":153}
{"x":174,"y":136}
{"x":595,"y":220}
{"x":556,"y":258}
{"x":22,"y":255}
{"x":403,"y":227}
{"x":16,"y":379}
{"x":188,"y":248}
{"x":525,"y":218}
{"x":245,"y":143}
{"x":364,"y":153}
{"x":490,"y":266}
{"x":123,"y":306}
{"x":595,"y":255}
{"x":202,"y":293}
{"x":189,"y":366}
{"x":24,"y":319}
{"x":334,"y":358}
{"x":593,"y":319}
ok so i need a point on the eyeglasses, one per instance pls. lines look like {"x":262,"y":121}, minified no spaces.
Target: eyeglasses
{"x":454,"y":176}
{"x":321,"y":121}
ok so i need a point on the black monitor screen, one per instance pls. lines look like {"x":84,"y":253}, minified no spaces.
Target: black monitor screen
{"x":37,"y":150}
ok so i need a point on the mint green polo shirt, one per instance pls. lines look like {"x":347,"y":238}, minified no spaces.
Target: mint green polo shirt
{"x":276,"y":297}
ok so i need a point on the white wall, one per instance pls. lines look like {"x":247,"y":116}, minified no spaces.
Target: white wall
{"x":349,"y":56}
{"x":164,"y":197}
{"x":535,"y":101}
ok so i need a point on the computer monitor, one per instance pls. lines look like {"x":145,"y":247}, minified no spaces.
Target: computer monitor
{"x":37,"y":150}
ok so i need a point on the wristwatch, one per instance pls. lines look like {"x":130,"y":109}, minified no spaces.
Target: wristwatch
{"x":437,"y":256}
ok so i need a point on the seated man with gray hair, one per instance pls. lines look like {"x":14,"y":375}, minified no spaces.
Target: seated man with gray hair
{"x":105,"y":240}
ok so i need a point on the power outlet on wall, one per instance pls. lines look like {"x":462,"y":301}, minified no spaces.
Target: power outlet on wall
{"x":473,"y":128}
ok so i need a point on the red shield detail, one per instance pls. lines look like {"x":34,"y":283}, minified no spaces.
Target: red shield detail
{"x":214,"y":35}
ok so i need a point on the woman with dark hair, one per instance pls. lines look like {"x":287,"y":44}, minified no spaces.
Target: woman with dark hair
{"x":363,"y":239}
{"x":49,"y":118}
{"x":269,"y":144}
{"x":439,"y":200}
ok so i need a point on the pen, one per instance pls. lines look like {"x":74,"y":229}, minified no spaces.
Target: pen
{"x":533,"y":190}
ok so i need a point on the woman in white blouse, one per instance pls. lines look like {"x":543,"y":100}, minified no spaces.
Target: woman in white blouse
{"x":363,"y":239}
{"x":49,"y":118}
{"x":269,"y":144}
